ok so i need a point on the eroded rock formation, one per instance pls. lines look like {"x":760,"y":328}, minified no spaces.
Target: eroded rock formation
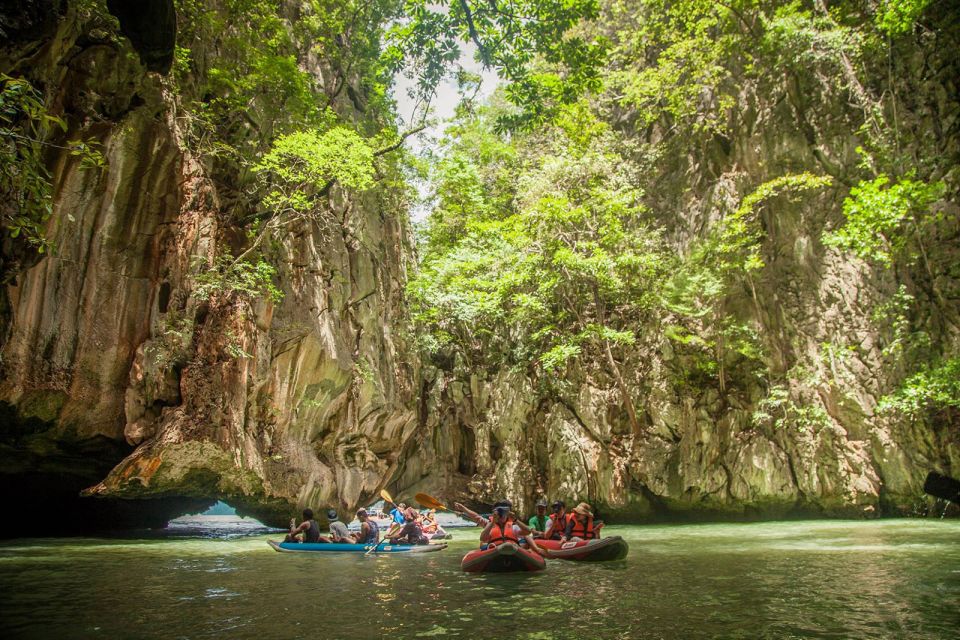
{"x":119,"y":379}
{"x":107,"y":351}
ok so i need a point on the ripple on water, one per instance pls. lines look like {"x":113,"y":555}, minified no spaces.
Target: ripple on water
{"x":884,"y":579}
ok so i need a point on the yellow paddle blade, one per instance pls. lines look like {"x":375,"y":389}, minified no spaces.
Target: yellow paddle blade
{"x":386,"y":496}
{"x":429,"y":502}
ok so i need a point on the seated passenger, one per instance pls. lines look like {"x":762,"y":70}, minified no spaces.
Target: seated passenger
{"x":369,"y":530}
{"x":503,"y":526}
{"x":540,"y":520}
{"x":580,"y":526}
{"x":411,"y":532}
{"x":308,"y":531}
{"x":558,"y":521}
{"x":338,"y":530}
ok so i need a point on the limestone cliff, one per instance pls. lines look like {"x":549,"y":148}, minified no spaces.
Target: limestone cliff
{"x":796,"y":431}
{"x":111,"y":360}
{"x":124,"y":377}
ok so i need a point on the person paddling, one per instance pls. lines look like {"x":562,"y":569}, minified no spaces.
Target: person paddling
{"x":540,"y":520}
{"x":308,"y":530}
{"x":369,"y":530}
{"x":411,"y":533}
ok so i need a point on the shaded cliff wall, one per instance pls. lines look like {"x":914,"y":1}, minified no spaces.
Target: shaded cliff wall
{"x":797,"y":433}
{"x":111,"y":359}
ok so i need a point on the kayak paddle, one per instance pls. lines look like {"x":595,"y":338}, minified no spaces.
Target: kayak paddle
{"x":430,"y":502}
{"x":387,"y":497}
{"x":940,"y":486}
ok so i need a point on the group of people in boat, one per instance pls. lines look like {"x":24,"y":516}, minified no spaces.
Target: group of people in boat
{"x":309,"y":530}
{"x":409,"y":526}
{"x":503,"y":525}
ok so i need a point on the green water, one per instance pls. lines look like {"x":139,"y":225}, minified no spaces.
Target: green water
{"x":886,"y":579}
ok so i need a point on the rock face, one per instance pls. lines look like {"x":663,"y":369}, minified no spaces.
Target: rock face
{"x":119,"y":379}
{"x":801,"y":436}
{"x":110,"y":357}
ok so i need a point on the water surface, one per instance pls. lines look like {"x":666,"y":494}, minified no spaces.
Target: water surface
{"x":823,"y":579}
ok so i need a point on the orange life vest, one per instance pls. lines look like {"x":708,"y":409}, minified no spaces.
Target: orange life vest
{"x":583,"y":530}
{"x":499,"y":535}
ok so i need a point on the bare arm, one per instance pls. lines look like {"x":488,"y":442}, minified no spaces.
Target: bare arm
{"x":473,"y":516}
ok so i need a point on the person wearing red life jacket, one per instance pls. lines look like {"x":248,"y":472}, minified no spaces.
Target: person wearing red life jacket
{"x":558,"y":521}
{"x":581,"y":525}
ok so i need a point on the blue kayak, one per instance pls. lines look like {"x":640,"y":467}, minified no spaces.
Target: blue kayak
{"x":339,"y":547}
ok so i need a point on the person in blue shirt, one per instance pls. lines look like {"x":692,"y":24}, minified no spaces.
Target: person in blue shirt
{"x":398,"y":519}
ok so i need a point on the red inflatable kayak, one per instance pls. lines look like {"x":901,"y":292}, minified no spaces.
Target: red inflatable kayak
{"x":505,"y":557}
{"x":596,"y":550}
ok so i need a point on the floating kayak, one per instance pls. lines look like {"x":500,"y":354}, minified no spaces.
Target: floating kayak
{"x":596,"y":550}
{"x":502,"y":558}
{"x":340,"y":547}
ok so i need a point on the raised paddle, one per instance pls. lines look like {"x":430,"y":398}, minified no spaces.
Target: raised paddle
{"x":430,"y":502}
{"x":387,"y":497}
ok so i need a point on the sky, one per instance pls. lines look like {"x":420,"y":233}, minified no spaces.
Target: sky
{"x":442,"y":109}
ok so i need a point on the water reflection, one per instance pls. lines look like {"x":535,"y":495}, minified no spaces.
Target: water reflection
{"x":811,"y":580}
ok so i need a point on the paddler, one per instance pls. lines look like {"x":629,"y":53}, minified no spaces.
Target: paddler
{"x":307,"y":531}
{"x":581,"y":526}
{"x":558,"y":521}
{"x":369,"y":530}
{"x":539,"y":521}
{"x":396,"y":514}
{"x":411,"y":533}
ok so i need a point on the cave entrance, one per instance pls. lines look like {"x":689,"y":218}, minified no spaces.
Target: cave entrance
{"x":217,"y":521}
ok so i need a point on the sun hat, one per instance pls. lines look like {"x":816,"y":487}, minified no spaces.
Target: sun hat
{"x":583,"y":509}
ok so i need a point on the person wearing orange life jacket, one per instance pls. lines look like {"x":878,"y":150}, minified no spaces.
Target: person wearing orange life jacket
{"x":581,"y":525}
{"x":502,"y":526}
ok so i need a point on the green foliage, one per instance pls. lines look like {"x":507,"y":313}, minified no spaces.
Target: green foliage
{"x":683,"y":50}
{"x":780,"y":411}
{"x":934,"y":388}
{"x":535,"y":46}
{"x":544,"y":252}
{"x":881,"y":218}
{"x":25,"y":130}
{"x":303,"y":163}
{"x":897,"y":17}
{"x":237,"y":277}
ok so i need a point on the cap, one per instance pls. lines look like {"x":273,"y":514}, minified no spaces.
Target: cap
{"x":331,"y":514}
{"x":557,"y":504}
{"x":541,"y":503}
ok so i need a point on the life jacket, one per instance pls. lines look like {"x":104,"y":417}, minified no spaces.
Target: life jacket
{"x":558,"y":526}
{"x":582,"y":530}
{"x":373,"y":533}
{"x":499,"y":535}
